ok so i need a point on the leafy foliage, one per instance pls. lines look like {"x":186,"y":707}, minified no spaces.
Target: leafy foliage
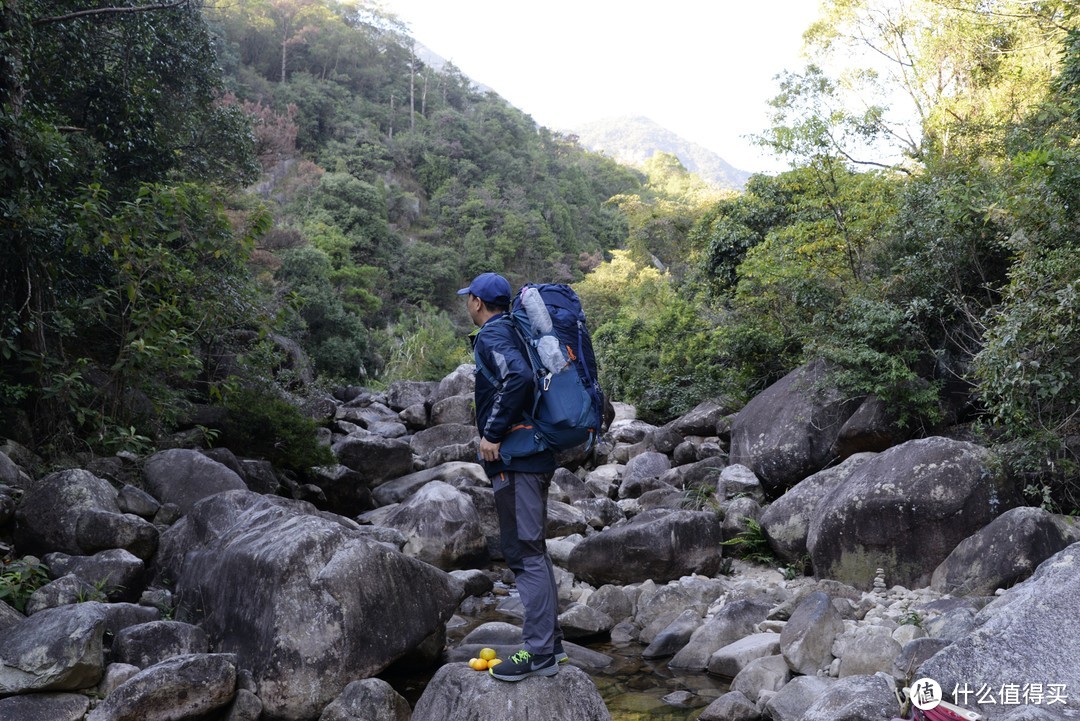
{"x":19,"y":579}
{"x":262,"y":424}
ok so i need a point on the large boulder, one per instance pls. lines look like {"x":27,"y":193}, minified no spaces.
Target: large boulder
{"x":48,"y":517}
{"x":1026,"y":636}
{"x":701,"y":420}
{"x":375,"y":458}
{"x":56,"y":649}
{"x":1002,"y":554}
{"x":905,"y":510}
{"x":370,"y":699}
{"x":787,"y":431}
{"x":806,"y":640}
{"x":45,"y":707}
{"x":786,"y":521}
{"x":429,"y":440}
{"x":311,"y":603}
{"x":855,"y":698}
{"x":455,"y":473}
{"x":660,"y":545}
{"x":735,"y":620}
{"x":184,"y":477}
{"x":441,"y":527}
{"x":457,"y":693}
{"x":182,"y":687}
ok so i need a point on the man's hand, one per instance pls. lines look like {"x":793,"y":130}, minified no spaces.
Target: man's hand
{"x":489,"y":451}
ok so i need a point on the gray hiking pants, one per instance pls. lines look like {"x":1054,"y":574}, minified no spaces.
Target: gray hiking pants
{"x":521,"y":502}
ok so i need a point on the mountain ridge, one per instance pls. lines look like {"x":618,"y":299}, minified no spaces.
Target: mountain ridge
{"x":633,"y":139}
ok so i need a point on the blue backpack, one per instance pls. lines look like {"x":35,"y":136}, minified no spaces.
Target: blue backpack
{"x":568,"y":405}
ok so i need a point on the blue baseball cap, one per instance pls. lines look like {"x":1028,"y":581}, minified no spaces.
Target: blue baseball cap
{"x":490,"y":288}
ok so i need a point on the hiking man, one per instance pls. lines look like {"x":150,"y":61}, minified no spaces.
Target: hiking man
{"x":503,"y":393}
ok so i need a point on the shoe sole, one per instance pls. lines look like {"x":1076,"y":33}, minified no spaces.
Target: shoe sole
{"x":549,"y":671}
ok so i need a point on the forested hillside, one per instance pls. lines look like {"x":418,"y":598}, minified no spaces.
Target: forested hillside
{"x":187,"y":191}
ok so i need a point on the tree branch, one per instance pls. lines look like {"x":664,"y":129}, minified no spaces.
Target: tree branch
{"x":107,"y":11}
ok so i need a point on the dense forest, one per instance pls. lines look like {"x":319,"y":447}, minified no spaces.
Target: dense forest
{"x":195,"y":198}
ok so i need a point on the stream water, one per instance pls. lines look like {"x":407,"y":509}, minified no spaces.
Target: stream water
{"x":633,"y":689}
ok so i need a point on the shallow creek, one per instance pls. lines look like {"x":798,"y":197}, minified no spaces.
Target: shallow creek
{"x":633,"y":689}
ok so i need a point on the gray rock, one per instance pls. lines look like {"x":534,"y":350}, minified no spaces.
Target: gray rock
{"x":855,"y":698}
{"x":612,"y":601}
{"x":61,"y":592}
{"x":294,"y":611}
{"x":738,"y":513}
{"x":184,"y":477}
{"x":260,"y":477}
{"x":702,"y":419}
{"x":427,"y":441}
{"x":442,"y":527}
{"x":115,"y":674}
{"x":99,"y":530}
{"x":645,"y":465}
{"x":905,"y":510}
{"x":454,"y":409}
{"x":733,"y":658}
{"x":786,"y":521}
{"x":344,"y":491}
{"x":455,"y":473}
{"x":137,"y":501}
{"x":603,"y":482}
{"x":792,"y":701}
{"x":565,"y":520}
{"x":866,"y":650}
{"x":629,"y":431}
{"x":246,"y":706}
{"x":57,"y":649}
{"x":370,"y":699}
{"x":691,"y":592}
{"x":913,"y":654}
{"x":736,"y":481}
{"x":581,"y":621}
{"x":659,"y":545}
{"x":569,"y":485}
{"x":459,"y":381}
{"x":870,"y":429}
{"x":375,"y":458}
{"x":1001,"y":554}
{"x":768,"y":673}
{"x":732,"y":706}
{"x":458,"y":693}
{"x":807,"y":639}
{"x":674,"y":636}
{"x":148,"y":644}
{"x":182,"y":687}
{"x":45,"y":707}
{"x":600,"y":512}
{"x":1026,"y":635}
{"x":735,"y":620}
{"x":474,"y":581}
{"x":367,"y":414}
{"x":787,"y":431}
{"x":48,"y":517}
{"x":404,"y":394}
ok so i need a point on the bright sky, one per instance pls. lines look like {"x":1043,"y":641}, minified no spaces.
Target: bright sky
{"x":702,"y":68}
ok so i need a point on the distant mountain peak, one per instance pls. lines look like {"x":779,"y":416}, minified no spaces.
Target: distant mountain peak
{"x":633,"y":139}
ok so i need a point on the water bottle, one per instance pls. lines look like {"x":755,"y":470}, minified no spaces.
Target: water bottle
{"x":547,"y":347}
{"x":539,"y":318}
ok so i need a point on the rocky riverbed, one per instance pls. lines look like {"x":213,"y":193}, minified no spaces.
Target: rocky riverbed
{"x":192,"y":584}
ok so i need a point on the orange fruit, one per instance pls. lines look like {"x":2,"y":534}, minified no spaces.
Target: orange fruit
{"x":478,"y":664}
{"x":494,"y":662}
{"x":487,"y":653}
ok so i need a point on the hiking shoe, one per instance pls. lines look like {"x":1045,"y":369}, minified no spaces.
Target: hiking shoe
{"x":524,"y":664}
{"x":560,"y":654}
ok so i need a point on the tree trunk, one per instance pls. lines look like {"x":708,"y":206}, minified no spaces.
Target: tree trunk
{"x":390,"y":135}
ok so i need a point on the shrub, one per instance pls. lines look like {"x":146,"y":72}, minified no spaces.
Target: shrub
{"x":262,"y":424}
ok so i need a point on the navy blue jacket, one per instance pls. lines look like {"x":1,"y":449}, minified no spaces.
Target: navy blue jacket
{"x":501,"y":401}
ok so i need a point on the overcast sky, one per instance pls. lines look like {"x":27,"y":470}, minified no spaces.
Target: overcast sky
{"x":702,"y":68}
